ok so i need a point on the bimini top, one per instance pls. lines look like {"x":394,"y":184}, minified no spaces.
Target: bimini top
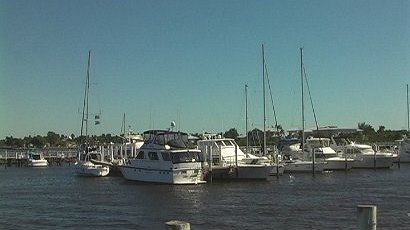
{"x":166,"y":137}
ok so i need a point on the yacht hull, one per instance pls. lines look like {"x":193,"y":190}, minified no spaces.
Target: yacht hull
{"x":37,"y":163}
{"x":339,"y":164}
{"x":176,"y":176}
{"x":92,"y":170}
{"x":371,"y":162}
{"x":303,"y":167}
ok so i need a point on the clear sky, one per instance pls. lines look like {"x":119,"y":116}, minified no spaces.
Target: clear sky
{"x":188,"y":61}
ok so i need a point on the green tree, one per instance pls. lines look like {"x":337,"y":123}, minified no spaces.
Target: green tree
{"x":232,"y":133}
{"x":52,"y":138}
{"x":38,"y":141}
{"x":14,"y":142}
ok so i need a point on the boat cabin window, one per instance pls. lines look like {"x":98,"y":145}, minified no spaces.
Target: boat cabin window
{"x":353,"y":151}
{"x":228,"y":143}
{"x":35,"y":157}
{"x":219,"y":143}
{"x":153,"y":156}
{"x":185,"y":157}
{"x":165,"y":156}
{"x":140,"y":155}
{"x":160,"y":140}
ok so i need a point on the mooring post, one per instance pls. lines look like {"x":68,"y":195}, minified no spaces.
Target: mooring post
{"x":5,"y":165}
{"x":366,"y":217}
{"x":345,"y":163}
{"x":236,"y":162}
{"x":177,"y":225}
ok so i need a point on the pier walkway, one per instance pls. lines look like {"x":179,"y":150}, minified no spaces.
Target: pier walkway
{"x":54,"y":156}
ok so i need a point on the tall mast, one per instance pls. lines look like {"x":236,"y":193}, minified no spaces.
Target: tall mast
{"x":303,"y":103}
{"x":84,"y":119}
{"x":87,"y":93}
{"x":408,"y":118}
{"x":246,"y":118}
{"x":264,"y":103}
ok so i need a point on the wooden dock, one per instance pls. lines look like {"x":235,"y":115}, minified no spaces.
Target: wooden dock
{"x":54,"y":156}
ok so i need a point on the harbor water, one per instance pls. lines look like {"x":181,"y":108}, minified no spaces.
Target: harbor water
{"x":55,"y":198}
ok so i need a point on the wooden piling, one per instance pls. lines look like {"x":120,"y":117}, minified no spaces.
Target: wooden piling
{"x":177,"y":225}
{"x":366,"y":217}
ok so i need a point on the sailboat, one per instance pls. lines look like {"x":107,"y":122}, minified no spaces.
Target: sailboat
{"x":277,"y":168}
{"x":303,"y":165}
{"x":405,"y":143}
{"x":87,"y":155}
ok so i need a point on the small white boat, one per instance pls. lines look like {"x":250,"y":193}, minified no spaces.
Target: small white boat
{"x":165,"y":157}
{"x":277,"y":169}
{"x":87,"y":165}
{"x":324,"y":153}
{"x":303,"y":166}
{"x":227,"y":161}
{"x":86,"y":155}
{"x":36,"y":160}
{"x":366,"y":157}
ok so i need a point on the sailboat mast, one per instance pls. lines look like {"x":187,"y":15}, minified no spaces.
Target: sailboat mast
{"x":408,"y":117}
{"x":303,"y":103}
{"x":246,"y":118}
{"x":84,"y":119}
{"x":87,"y":93}
{"x":264,"y":103}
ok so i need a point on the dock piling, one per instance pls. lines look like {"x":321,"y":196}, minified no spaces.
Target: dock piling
{"x":366,"y":217}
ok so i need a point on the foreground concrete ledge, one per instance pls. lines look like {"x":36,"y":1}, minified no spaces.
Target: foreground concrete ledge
{"x":177,"y":225}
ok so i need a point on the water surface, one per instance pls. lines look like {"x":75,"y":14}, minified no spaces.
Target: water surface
{"x":55,"y":198}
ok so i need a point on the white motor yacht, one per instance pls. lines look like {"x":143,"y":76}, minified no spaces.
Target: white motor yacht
{"x":366,"y":157}
{"x":36,"y":160}
{"x":165,"y":157}
{"x":227,"y":161}
{"x":324,"y":153}
{"x":303,"y":166}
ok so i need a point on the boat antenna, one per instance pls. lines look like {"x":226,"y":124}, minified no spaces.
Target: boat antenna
{"x":123,"y":124}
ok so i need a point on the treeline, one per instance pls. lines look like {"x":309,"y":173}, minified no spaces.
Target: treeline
{"x":367,"y":134}
{"x":53,"y":139}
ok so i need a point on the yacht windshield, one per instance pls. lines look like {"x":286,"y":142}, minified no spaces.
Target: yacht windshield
{"x":185,"y":157}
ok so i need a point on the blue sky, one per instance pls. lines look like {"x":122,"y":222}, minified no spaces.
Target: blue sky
{"x":188,"y":61}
